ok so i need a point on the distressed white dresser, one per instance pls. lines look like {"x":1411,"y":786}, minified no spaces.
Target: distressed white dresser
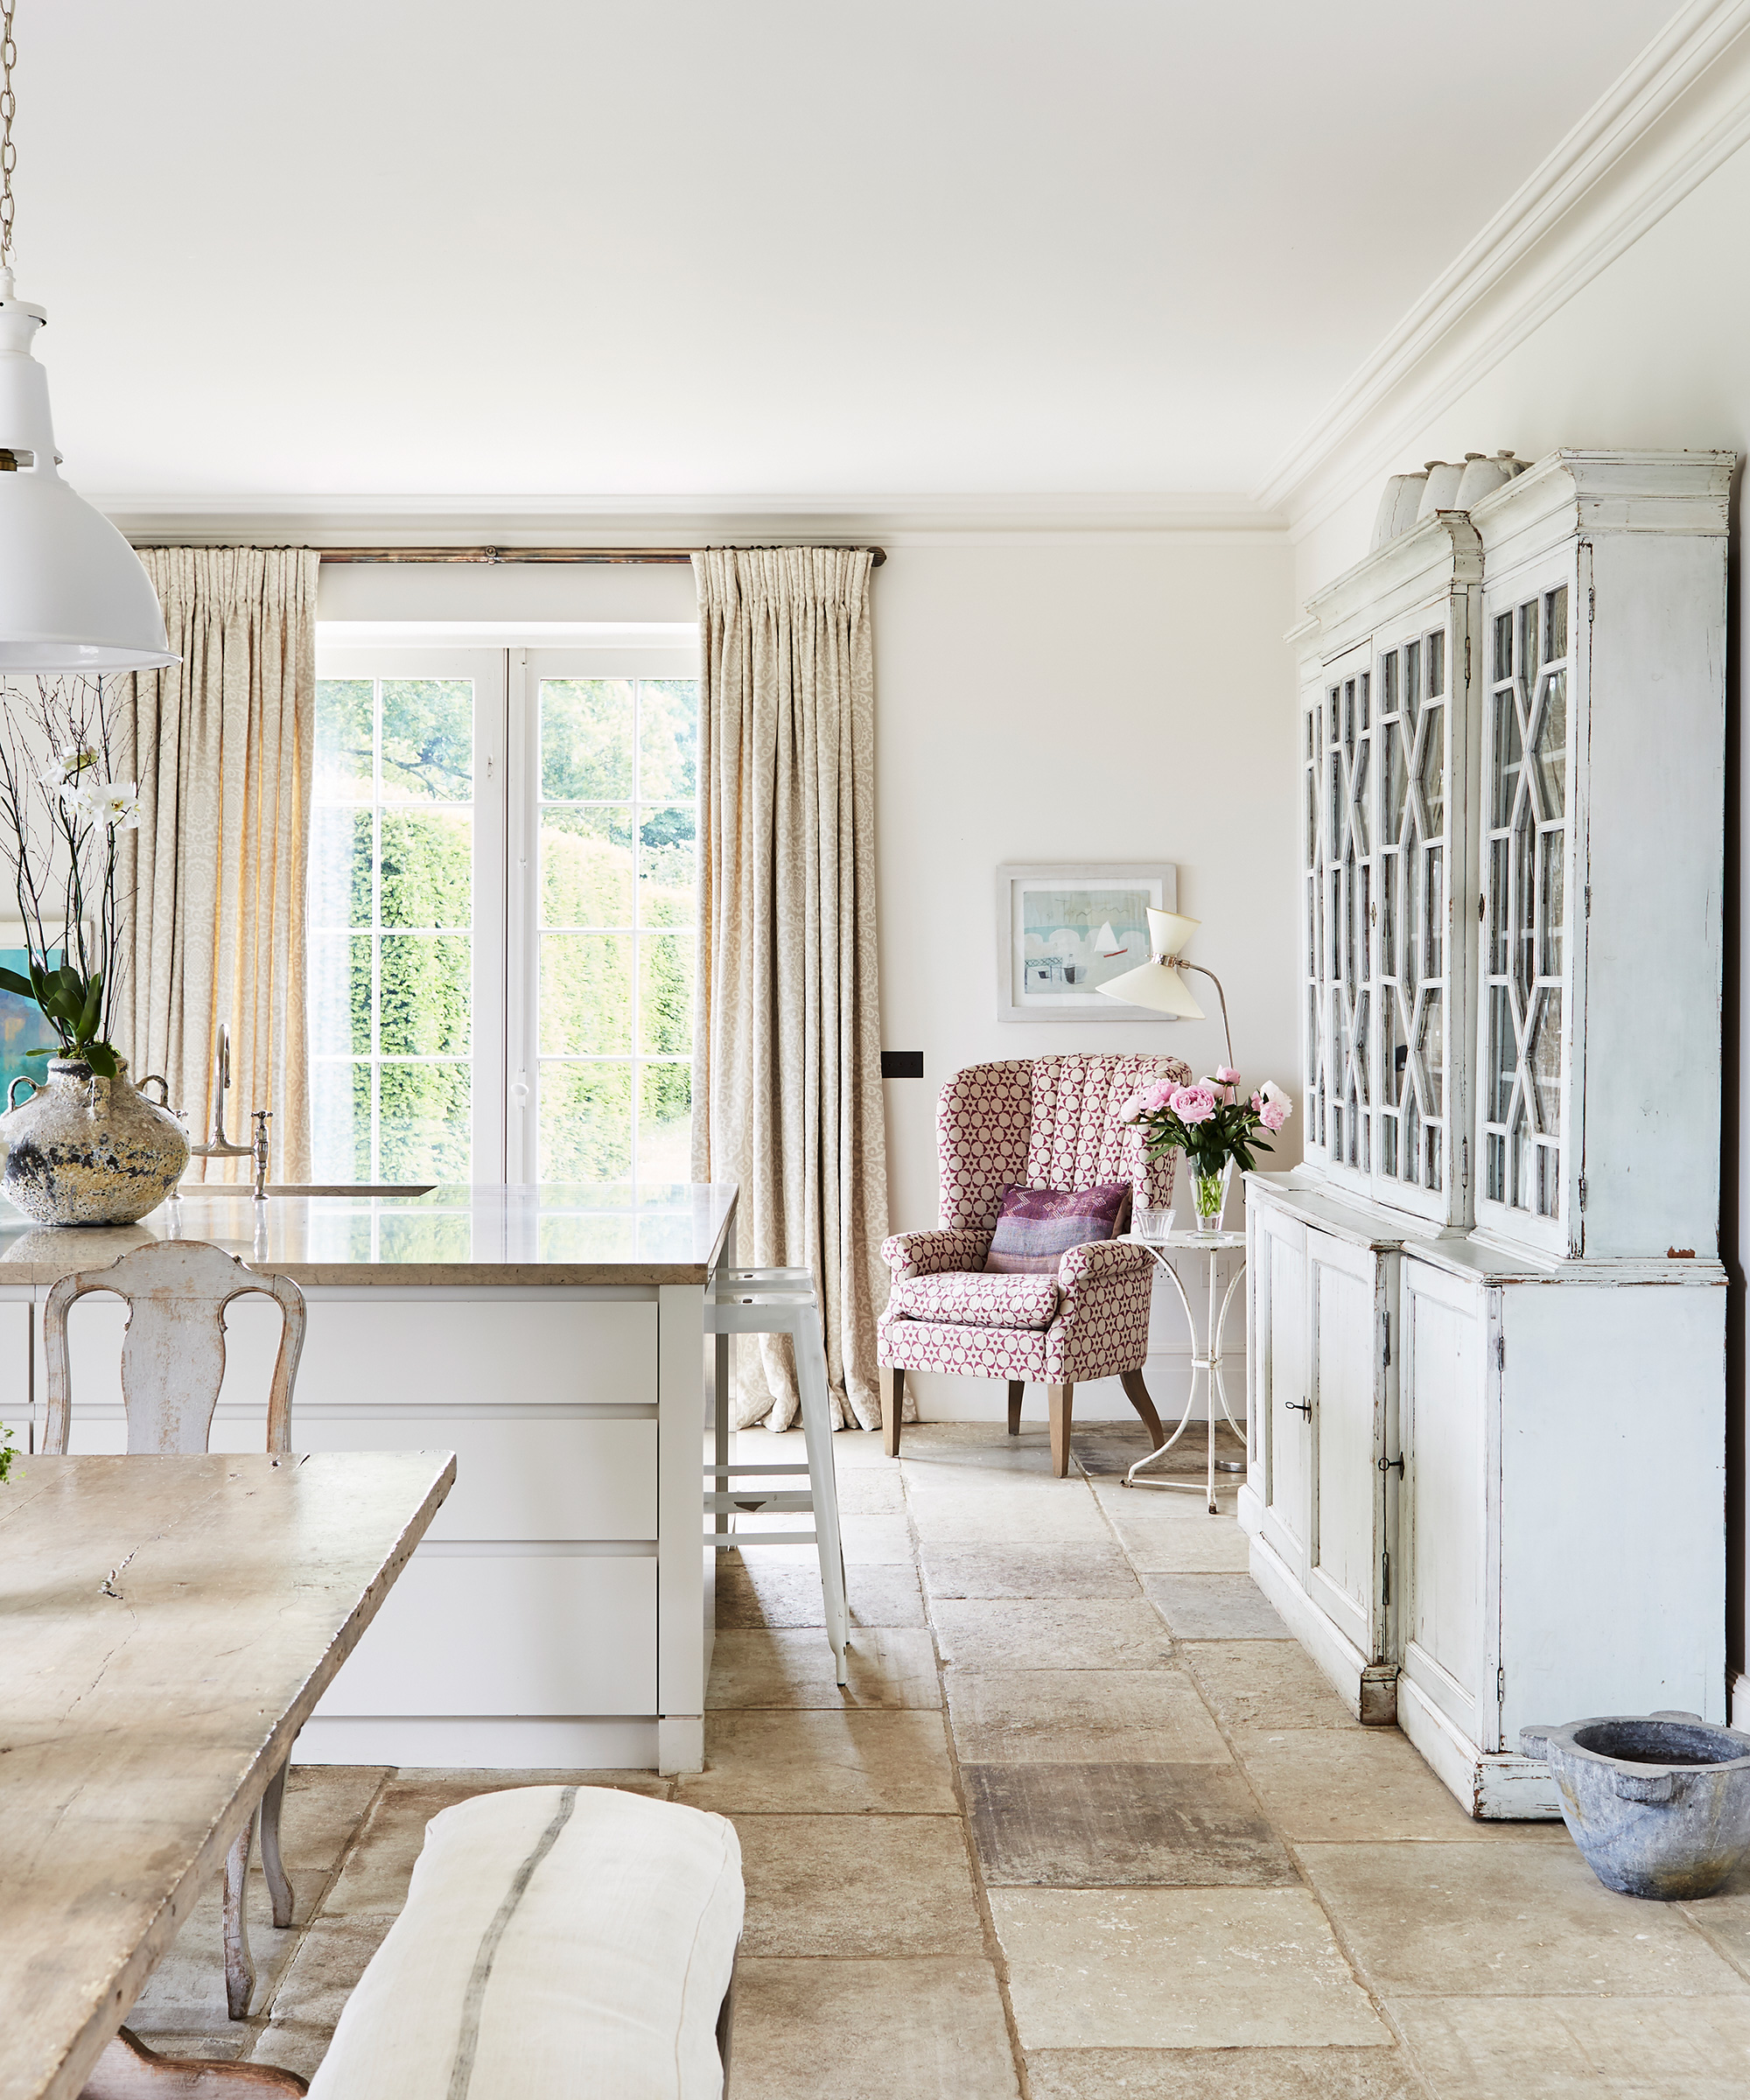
{"x":1488,"y":1315}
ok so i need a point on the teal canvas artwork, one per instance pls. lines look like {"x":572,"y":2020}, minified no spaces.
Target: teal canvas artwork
{"x":22,"y":1027}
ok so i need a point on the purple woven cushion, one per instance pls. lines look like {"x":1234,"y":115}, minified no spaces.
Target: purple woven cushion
{"x":1037,"y":1226}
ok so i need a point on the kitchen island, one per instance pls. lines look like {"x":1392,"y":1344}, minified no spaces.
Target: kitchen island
{"x":558,"y":1612}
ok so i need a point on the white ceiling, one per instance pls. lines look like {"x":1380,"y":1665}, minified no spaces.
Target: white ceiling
{"x":569,"y":248}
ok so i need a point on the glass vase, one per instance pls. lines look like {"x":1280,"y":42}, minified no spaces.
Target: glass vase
{"x":1208,"y":1194}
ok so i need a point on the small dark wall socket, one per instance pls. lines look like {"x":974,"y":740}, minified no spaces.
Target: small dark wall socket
{"x":902,"y":1064}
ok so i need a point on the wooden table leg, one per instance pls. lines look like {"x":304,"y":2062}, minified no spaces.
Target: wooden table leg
{"x":129,"y":2071}
{"x":240,"y":1969}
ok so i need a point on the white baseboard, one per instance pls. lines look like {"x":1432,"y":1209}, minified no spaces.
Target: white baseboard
{"x":491,"y":1742}
{"x":1491,"y":1786}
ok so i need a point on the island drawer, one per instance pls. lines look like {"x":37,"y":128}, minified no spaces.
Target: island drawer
{"x":508,"y":1634}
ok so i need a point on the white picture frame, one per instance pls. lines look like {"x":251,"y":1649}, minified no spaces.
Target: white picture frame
{"x":1053,"y":921}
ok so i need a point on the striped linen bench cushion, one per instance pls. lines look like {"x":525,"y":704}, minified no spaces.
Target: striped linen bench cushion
{"x":572,"y":1943}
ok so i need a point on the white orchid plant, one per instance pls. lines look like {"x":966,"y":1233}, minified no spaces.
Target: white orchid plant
{"x":61,"y":810}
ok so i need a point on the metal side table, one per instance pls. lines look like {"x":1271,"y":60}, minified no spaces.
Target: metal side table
{"x":1206,"y":1361}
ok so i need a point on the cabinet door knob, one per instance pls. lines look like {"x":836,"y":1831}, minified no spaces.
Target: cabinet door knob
{"x":1299,"y":1407}
{"x":1387,"y":1465}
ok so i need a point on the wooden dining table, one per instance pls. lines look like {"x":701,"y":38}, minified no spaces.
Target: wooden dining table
{"x":166,"y":1626}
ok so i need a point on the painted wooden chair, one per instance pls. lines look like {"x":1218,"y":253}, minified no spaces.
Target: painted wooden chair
{"x":1033,"y":1123}
{"x":172,"y":1366}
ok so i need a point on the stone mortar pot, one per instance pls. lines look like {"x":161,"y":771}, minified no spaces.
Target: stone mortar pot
{"x":85,"y":1150}
{"x":1658,"y":1804}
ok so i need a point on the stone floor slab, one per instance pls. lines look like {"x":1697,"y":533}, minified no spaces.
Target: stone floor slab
{"x":329,"y":1960}
{"x":1061,"y":1572}
{"x":995,"y":1511}
{"x":1525,"y":1919}
{"x":1166,"y":1530}
{"x":752,"y":1593}
{"x":868,"y":1887}
{"x":793,"y":1667}
{"x":1356,"y":1785}
{"x":1579,"y":2048}
{"x":1108,"y":1450}
{"x":1178,"y":1967}
{"x":881,"y":1542}
{"x":1120,"y":1826}
{"x":839,"y":1763}
{"x":1214,"y":1607}
{"x":1011,"y":1634}
{"x":1027,"y":1717}
{"x":926,"y":2029}
{"x":1272,"y":1684}
{"x":1334,"y":2074}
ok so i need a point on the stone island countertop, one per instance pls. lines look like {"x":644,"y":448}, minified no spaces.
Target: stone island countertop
{"x":580,"y":1235}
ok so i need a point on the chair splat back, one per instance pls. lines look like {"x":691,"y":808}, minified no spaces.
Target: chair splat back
{"x":173,"y":1352}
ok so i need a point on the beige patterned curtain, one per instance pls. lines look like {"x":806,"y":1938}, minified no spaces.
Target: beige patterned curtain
{"x":787,"y":1072}
{"x":223,"y":747}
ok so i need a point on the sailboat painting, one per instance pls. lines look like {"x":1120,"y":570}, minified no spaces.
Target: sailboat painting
{"x":1065,"y":931}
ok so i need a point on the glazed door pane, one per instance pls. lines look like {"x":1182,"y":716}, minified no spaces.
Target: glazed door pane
{"x":1528,"y":776}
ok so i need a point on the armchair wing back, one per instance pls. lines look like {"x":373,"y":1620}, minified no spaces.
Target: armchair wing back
{"x":1045,"y":1122}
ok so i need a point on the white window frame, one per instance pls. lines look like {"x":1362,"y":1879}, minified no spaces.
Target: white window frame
{"x":486,"y":668}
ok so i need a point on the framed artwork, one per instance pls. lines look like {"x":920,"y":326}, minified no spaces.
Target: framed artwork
{"x":1064,"y":930}
{"x":22,"y":1024}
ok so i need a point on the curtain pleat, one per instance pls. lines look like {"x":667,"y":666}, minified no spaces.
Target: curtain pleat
{"x":787,"y":1074}
{"x":222,"y":746}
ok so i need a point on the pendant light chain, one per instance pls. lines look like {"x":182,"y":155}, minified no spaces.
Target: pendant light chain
{"x":8,"y":153}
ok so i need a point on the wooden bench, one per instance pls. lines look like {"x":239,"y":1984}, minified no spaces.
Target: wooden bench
{"x":572,"y":1943}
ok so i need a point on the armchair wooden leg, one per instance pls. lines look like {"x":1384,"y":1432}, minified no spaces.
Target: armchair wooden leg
{"x":279,"y":1889}
{"x":1062,"y":1396}
{"x":1017,"y":1387}
{"x":240,"y":1969}
{"x":895,"y":1409}
{"x":1138,"y":1397}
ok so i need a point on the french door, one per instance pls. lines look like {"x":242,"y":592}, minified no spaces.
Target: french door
{"x":502,"y":914}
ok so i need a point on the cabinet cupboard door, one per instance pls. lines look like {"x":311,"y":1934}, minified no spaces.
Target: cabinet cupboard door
{"x":1278,"y":1273}
{"x":1346,"y":1307}
{"x":1442,"y":1400}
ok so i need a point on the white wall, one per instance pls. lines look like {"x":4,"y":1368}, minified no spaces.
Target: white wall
{"x":1093,"y":699}
{"x":1655,"y":352}
{"x":1082,"y":696}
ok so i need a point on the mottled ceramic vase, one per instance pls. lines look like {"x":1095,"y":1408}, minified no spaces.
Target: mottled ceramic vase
{"x":85,"y":1150}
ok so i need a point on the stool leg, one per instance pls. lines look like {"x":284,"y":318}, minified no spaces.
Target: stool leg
{"x":823,"y":1479}
{"x":1062,"y":1397}
{"x":1017,"y":1387}
{"x":891,"y":1414}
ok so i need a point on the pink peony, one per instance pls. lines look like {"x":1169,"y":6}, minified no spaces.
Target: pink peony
{"x":1194,"y":1104}
{"x":1271,"y":1116}
{"x":1257,"y":1104}
{"x":1133,"y":1108}
{"x":1274,"y":1097}
{"x":1227,"y":1076}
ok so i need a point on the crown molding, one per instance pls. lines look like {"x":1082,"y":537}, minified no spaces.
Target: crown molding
{"x":1678,"y":112}
{"x":683,"y":521}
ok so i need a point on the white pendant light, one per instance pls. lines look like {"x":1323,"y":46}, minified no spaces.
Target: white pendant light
{"x":74,"y":595}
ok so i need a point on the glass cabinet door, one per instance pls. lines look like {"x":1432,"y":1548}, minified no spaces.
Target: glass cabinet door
{"x":1337,"y":912}
{"x":1526,"y":789}
{"x":1415,"y":731}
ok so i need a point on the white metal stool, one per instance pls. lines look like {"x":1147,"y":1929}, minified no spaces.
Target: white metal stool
{"x":781,"y":1301}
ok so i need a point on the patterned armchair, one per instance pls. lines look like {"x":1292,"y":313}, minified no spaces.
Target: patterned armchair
{"x":1041,"y":1123}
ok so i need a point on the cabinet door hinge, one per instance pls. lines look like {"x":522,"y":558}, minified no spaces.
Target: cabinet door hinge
{"x":1385,"y":1322}
{"x":1582,"y":1191}
{"x":1385,"y":1588}
{"x":1464,"y":1163}
{"x":1499,"y":1350}
{"x":1501,"y":1686}
{"x":1592,"y":604}
{"x":1467,"y":659}
{"x":1588,"y":900}
{"x":1482,"y":908}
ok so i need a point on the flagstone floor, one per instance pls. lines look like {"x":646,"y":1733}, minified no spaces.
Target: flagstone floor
{"x":1085,"y":1825}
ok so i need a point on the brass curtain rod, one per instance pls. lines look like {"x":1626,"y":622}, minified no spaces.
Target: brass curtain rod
{"x":496,"y":555}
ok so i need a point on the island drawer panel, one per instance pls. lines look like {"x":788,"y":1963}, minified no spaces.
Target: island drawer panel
{"x":508,"y":1634}
{"x":406,"y":1352}
{"x":519,"y":1477}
